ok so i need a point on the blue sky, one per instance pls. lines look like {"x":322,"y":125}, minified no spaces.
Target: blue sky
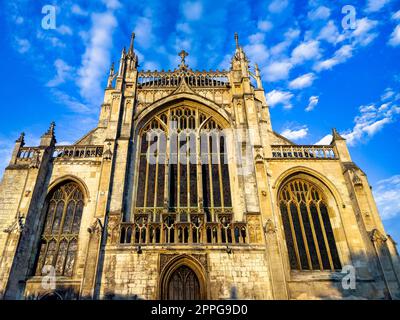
{"x":317,"y":72}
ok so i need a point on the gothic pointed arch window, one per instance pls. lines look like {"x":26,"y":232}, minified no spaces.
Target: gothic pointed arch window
{"x":59,"y":240}
{"x":308,"y":231}
{"x":182,"y":165}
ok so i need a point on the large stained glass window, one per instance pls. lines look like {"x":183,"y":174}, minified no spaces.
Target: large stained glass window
{"x":308,"y":231}
{"x":59,"y":241}
{"x":182,"y":165}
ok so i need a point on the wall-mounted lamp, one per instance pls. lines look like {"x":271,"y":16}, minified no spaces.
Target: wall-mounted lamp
{"x":139,"y":250}
{"x":228,"y":250}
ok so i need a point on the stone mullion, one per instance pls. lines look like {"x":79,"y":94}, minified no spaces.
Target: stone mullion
{"x":314,"y":236}
{"x":157,"y":158}
{"x":303,"y":234}
{"x":209,"y":157}
{"x":146,"y":183}
{"x":296,"y":247}
{"x":178,"y":175}
{"x":167,"y":163}
{"x":60,"y":231}
{"x":188,"y":176}
{"x":221,"y":189}
{"x":328,"y":250}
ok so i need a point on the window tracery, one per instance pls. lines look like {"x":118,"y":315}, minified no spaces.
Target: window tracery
{"x":308,"y":230}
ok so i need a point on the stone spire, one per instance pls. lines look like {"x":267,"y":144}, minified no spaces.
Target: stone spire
{"x":21,"y":139}
{"x":237,"y":40}
{"x":131,"y":48}
{"x":257,"y":76}
{"x":239,"y":60}
{"x":131,"y":58}
{"x":341,"y":147}
{"x":19,"y":143}
{"x":122,"y":62}
{"x":49,"y":139}
{"x":111,"y":76}
{"x":336,"y":135}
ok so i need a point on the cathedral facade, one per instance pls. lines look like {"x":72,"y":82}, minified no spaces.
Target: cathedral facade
{"x":184,"y":191}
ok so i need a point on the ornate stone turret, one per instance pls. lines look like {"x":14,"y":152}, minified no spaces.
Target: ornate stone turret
{"x":239,"y":61}
{"x":341,"y":146}
{"x":19,"y":143}
{"x":122,"y":63}
{"x":111,"y":76}
{"x":131,"y":57}
{"x":49,"y":139}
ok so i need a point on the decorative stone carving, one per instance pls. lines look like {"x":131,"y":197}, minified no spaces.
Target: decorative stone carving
{"x":377,"y":236}
{"x":259,"y":155}
{"x":17,"y":225}
{"x":356,"y":179}
{"x":96,"y":227}
{"x":166,"y":258}
{"x":269,"y":227}
{"x":35,"y":161}
{"x":107,"y":155}
{"x":113,"y":229}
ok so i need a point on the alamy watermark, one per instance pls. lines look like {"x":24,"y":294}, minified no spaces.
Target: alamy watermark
{"x":49,"y":20}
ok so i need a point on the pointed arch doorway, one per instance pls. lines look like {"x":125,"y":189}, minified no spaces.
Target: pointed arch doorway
{"x":183,"y":285}
{"x":182,"y":279}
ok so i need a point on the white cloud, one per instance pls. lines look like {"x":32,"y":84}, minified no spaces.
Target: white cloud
{"x":71,"y":103}
{"x":340,"y":56}
{"x":192,"y":10}
{"x":376,"y":5}
{"x":289,"y":36}
{"x":277,"y":97}
{"x":295,"y":134}
{"x":396,"y":15}
{"x":256,"y":49}
{"x":387,"y":197}
{"x":277,"y":70}
{"x":6,"y":148}
{"x":389,"y":93}
{"x":150,"y":65}
{"x":112,"y":4}
{"x":370,"y":121}
{"x":64,"y":30}
{"x":364,"y":32}
{"x":394,"y":40}
{"x":257,"y":52}
{"x":96,"y":57}
{"x":63,"y":72}
{"x":321,"y":12}
{"x":277,"y":6}
{"x":312,"y":103}
{"x":184,"y":27}
{"x":77,"y":10}
{"x":306,"y":51}
{"x":326,"y":140}
{"x":303,"y":81}
{"x":264,"y":25}
{"x":144,"y":32}
{"x":23,"y":45}
{"x":330,"y":33}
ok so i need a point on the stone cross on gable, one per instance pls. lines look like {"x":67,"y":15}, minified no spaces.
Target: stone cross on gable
{"x":183,"y":54}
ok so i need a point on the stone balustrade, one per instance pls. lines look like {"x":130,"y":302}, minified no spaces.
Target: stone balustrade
{"x":208,"y":79}
{"x":303,"y":152}
{"x":170,"y":231}
{"x":69,"y":152}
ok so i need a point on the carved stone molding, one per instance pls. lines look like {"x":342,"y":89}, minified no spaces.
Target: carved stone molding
{"x":166,"y":258}
{"x":270,"y":227}
{"x":17,"y":225}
